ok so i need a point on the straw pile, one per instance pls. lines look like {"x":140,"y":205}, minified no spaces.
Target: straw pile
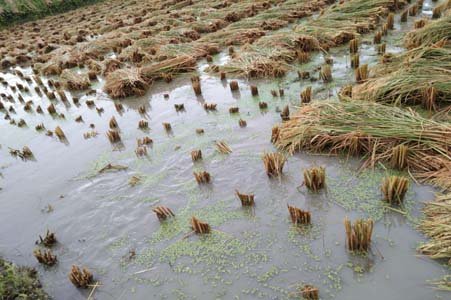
{"x":419,"y":76}
{"x":437,"y":226}
{"x":371,"y":130}
{"x":124,"y":83}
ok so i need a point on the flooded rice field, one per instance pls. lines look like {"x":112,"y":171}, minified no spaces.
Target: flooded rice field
{"x":97,"y":196}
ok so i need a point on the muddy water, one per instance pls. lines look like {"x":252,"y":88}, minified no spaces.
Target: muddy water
{"x":100,"y":219}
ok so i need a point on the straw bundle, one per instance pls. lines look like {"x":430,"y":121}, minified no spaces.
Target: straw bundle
{"x":371,"y":130}
{"x":124,"y":83}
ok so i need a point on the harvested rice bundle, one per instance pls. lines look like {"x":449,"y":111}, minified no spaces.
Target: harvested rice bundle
{"x":419,"y":76}
{"x":436,"y":226}
{"x":75,"y":81}
{"x":81,"y":278}
{"x":430,"y":34}
{"x":181,"y":64}
{"x":394,"y":189}
{"x":358,"y":235}
{"x":372,"y":130}
{"x":315,"y":178}
{"x":298,"y":216}
{"x":163,"y":212}
{"x":274,"y":163}
{"x":246,"y":199}
{"x":124,"y":83}
{"x":200,"y":227}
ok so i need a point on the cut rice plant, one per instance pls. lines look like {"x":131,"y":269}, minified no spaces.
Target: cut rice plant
{"x":234,"y":85}
{"x":310,"y":292}
{"x":199,"y":227}
{"x":196,"y":155}
{"x":355,"y":61}
{"x":202,"y":177}
{"x":51,"y":109}
{"x":223,"y":147}
{"x":362,"y":73}
{"x":195,"y":82}
{"x":315,"y":178}
{"x":254,"y":90}
{"x":179,"y":107}
{"x":274,"y":163}
{"x":163,"y":212}
{"x":81,"y":278}
{"x":371,"y":130}
{"x":285,"y":114}
{"x":326,"y":73}
{"x":358,"y":234}
{"x":242,"y":123}
{"x":306,"y":95}
{"x":113,"y":123}
{"x":391,"y":21}
{"x":399,"y":157}
{"x":394,"y":189}
{"x":167,"y":126}
{"x":262,"y":105}
{"x":60,"y":133}
{"x":381,"y":49}
{"x":234,"y":109}
{"x":113,"y":136}
{"x":143,"y":124}
{"x":298,"y":216}
{"x":354,"y":46}
{"x":142,"y":109}
{"x":144,"y":141}
{"x":48,"y":240}
{"x":141,"y":151}
{"x":436,"y":226}
{"x":210,"y":106}
{"x":246,"y":199}
{"x":124,"y":83}
{"x":45,"y":257}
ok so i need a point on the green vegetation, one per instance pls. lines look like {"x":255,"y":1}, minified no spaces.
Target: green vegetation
{"x":15,"y":11}
{"x":19,"y":283}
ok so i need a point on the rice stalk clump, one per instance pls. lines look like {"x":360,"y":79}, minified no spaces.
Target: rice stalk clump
{"x":399,"y":157}
{"x":246,"y":199}
{"x":60,"y":133}
{"x":202,"y":177}
{"x":196,"y":155}
{"x":45,"y":257}
{"x":371,"y":130}
{"x":436,"y":226}
{"x":326,"y":73}
{"x":298,"y":216}
{"x":163,"y":212}
{"x":358,"y":234}
{"x":113,"y":136}
{"x":195,"y":82}
{"x":223,"y":147}
{"x":362,"y":73}
{"x":199,"y":227}
{"x":315,"y":178}
{"x":310,"y":292}
{"x":394,"y":189}
{"x":81,"y":278}
{"x":74,"y":81}
{"x":274,"y":163}
{"x":306,"y":95}
{"x":125,"y":82}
